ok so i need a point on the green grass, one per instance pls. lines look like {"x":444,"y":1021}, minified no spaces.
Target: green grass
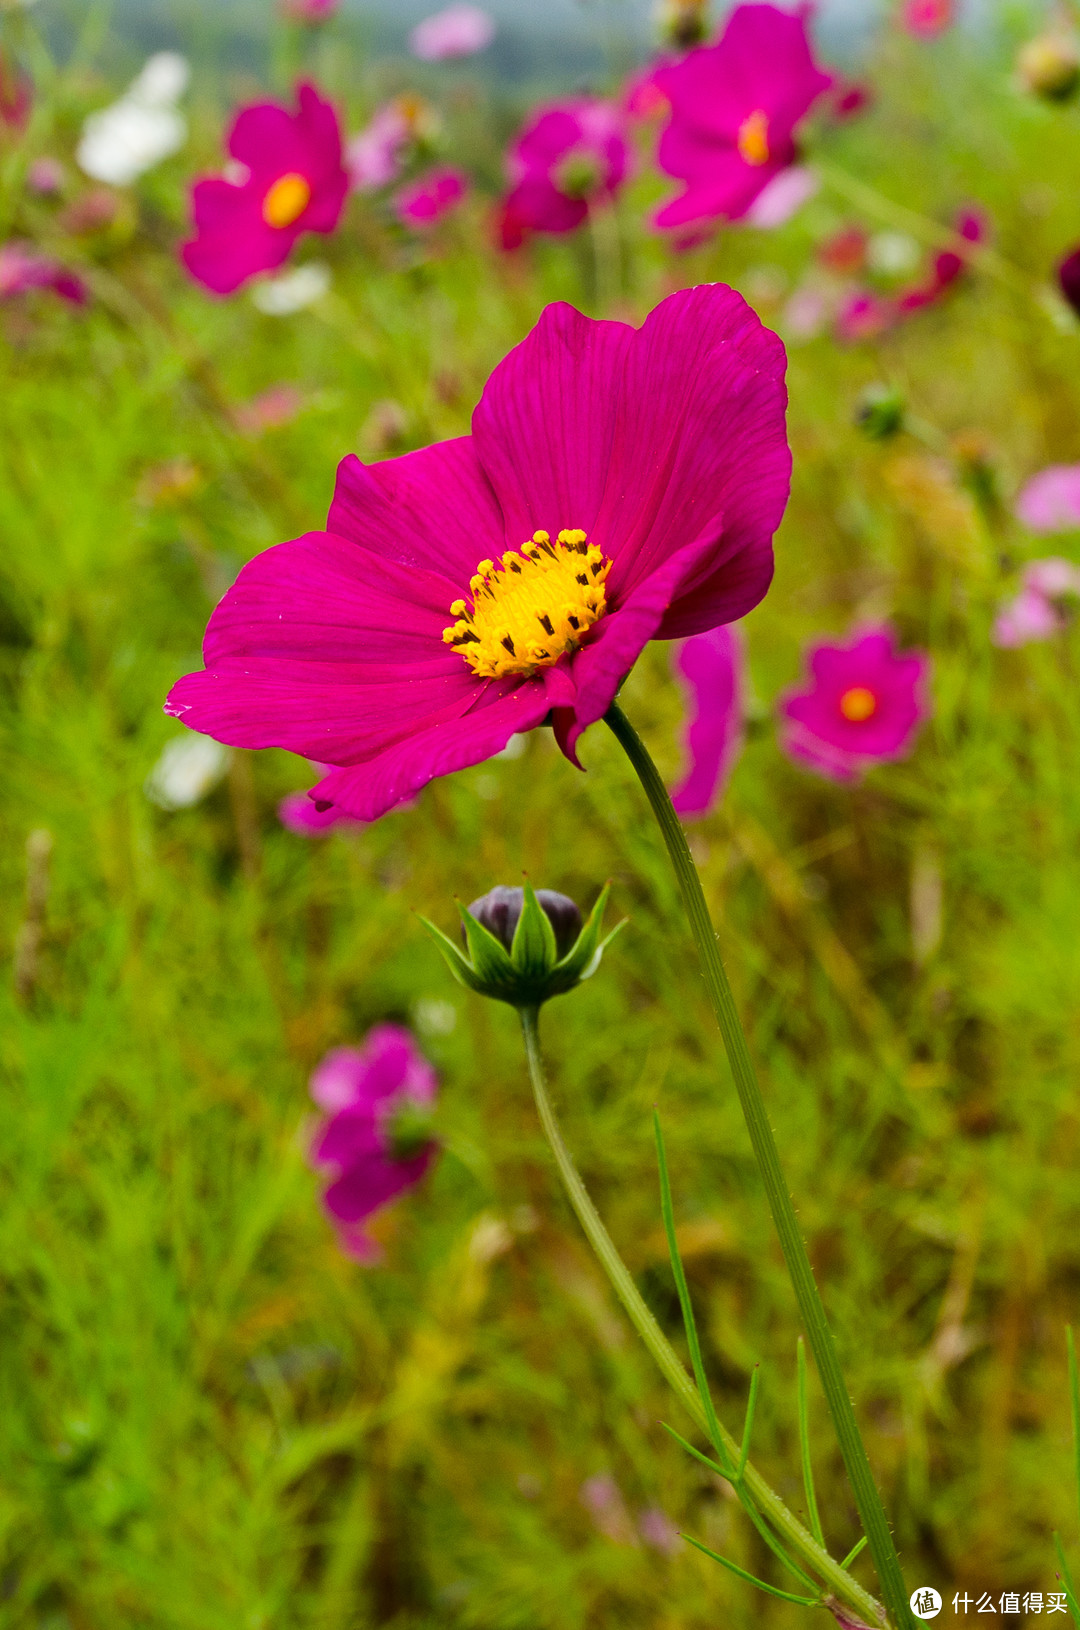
{"x":208,"y":1417}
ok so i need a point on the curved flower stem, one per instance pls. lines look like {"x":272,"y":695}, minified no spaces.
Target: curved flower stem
{"x":928,"y":231}
{"x":768,"y":1501}
{"x":871,"y":1511}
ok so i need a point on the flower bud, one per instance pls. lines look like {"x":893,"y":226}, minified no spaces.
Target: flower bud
{"x":682,"y":23}
{"x":500,"y":912}
{"x":523,"y":946}
{"x":1049,"y":66}
{"x":879,"y":412}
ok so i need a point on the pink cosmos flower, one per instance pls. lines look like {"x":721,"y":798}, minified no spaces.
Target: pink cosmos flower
{"x":298,"y":814}
{"x":1042,"y":607}
{"x":46,"y":176}
{"x":925,"y":18}
{"x":568,"y":156}
{"x":735,"y":106}
{"x":864,"y":703}
{"x":16,"y":93}
{"x":711,"y":668}
{"x":23,"y":269}
{"x":271,"y":409}
{"x":286,"y":178}
{"x":863,"y":316}
{"x":428,"y":198}
{"x":619,"y":485}
{"x":1050,"y":501}
{"x":457,"y":31}
{"x":971,"y":226}
{"x":375,"y":1141}
{"x":784,"y":196}
{"x":375,"y":157}
{"x":309,"y":11}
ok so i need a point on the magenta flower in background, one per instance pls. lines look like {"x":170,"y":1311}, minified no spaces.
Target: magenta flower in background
{"x":973,"y":227}
{"x":46,"y":176}
{"x":1050,"y":501}
{"x":569,"y":156}
{"x":735,"y":106}
{"x":16,"y":93}
{"x":1068,"y":273}
{"x":863,"y":316}
{"x":620,"y":485}
{"x":23,"y":269}
{"x":375,"y":1141}
{"x":286,"y":178}
{"x":376,"y":156}
{"x":431,"y":196}
{"x":927,"y":18}
{"x":863,"y":705}
{"x":1049,"y":591}
{"x":457,"y":31}
{"x":710,"y":666}
{"x":309,"y":11}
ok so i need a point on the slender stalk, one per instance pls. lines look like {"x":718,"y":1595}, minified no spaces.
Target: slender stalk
{"x":769,"y":1502}
{"x":871,"y":1511}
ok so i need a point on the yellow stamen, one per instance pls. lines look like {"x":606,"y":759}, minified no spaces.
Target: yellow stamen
{"x":286,"y":201}
{"x":858,"y":704}
{"x":532,"y":607}
{"x":753,"y":138}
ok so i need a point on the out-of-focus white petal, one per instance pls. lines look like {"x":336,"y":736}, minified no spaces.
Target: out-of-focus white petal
{"x":190,"y":766}
{"x":292,"y":291}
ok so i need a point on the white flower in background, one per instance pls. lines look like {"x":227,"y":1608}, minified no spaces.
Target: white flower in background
{"x":122,"y":142}
{"x":292,"y":291}
{"x":190,"y":766}
{"x":893,"y":254}
{"x":434,"y":1017}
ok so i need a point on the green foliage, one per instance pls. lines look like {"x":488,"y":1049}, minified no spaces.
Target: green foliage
{"x":208,"y":1417}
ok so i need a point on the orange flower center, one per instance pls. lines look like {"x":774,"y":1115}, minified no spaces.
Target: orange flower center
{"x":286,"y":201}
{"x":753,"y":138}
{"x":858,"y":704}
{"x":531,"y":607}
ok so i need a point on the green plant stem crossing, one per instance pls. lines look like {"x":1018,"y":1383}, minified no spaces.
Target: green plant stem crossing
{"x":843,"y":1586}
{"x":871,"y":1511}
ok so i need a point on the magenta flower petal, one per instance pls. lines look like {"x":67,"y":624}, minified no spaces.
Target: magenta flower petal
{"x":646,"y":439}
{"x":291,"y":180}
{"x":659,"y":454}
{"x":363,"y":1090}
{"x":710,"y":666}
{"x":298,"y":813}
{"x":863,"y":706}
{"x":1050,"y":501}
{"x":735,"y":107}
{"x":568,"y":156}
{"x":431,"y":196}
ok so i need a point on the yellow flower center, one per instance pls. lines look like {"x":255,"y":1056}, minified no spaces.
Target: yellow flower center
{"x":753,"y":138}
{"x":286,"y":201}
{"x":858,"y":704}
{"x":531,"y":607}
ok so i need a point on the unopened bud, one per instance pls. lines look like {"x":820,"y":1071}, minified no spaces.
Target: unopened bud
{"x":682,"y":23}
{"x":879,"y":412}
{"x":524,"y":946}
{"x":1049,"y":66}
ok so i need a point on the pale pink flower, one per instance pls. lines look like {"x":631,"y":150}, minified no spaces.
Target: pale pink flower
{"x":457,"y":31}
{"x":785,"y":194}
{"x":1050,"y":501}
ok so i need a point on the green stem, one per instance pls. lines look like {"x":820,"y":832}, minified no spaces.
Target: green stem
{"x":667,"y":1360}
{"x":872,"y":1512}
{"x":927,"y":231}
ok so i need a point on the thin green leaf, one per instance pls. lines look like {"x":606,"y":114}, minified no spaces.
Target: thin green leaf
{"x":697,"y":1454}
{"x":748,"y":1422}
{"x":804,"y":1446}
{"x":854,"y":1552}
{"x":1074,"y":1394}
{"x":684,"y":1300}
{"x":1070,"y":1588}
{"x":771,"y":1590}
{"x":533,"y":951}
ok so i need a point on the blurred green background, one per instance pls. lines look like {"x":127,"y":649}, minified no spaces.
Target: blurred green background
{"x":210,"y":1419}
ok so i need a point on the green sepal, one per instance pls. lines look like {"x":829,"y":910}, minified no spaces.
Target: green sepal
{"x":533,"y":951}
{"x":491,"y":964}
{"x":583,"y":957}
{"x":459,"y":965}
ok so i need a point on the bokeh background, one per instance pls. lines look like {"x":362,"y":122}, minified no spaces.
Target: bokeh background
{"x":211,"y":1419}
